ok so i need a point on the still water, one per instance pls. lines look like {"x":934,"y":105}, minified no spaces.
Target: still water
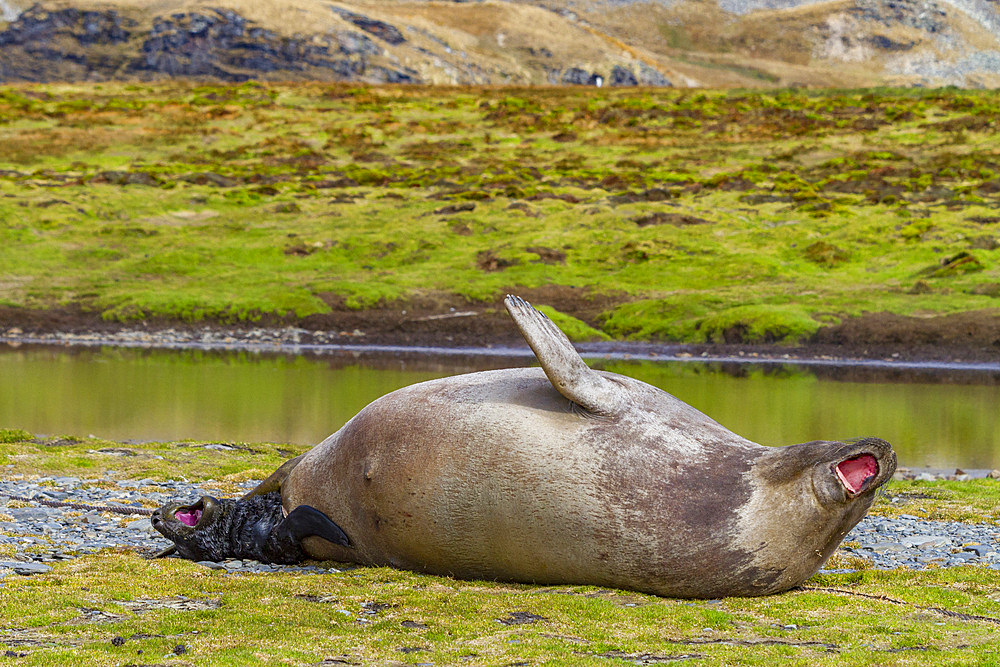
{"x":932,"y":419}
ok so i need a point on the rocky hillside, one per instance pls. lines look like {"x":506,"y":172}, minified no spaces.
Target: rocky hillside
{"x":578,"y":42}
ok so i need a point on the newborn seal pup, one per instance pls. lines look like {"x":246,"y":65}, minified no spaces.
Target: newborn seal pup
{"x":566,"y":475}
{"x":253,"y":528}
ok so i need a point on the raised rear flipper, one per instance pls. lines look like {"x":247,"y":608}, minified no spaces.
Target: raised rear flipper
{"x":562,"y":363}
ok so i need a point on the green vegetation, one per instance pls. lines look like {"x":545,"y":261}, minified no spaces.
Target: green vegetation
{"x":706,"y":215}
{"x":116,"y":608}
{"x":120,"y":609}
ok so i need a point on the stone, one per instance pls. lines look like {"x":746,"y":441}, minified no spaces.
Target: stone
{"x":25,"y":568}
{"x":622,"y":77}
{"x":924,"y":542}
{"x":28,"y":513}
{"x":979,"y":549}
{"x":212,"y":565}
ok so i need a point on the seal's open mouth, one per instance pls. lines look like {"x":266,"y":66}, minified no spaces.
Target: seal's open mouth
{"x":855,"y":473}
{"x":189,"y":516}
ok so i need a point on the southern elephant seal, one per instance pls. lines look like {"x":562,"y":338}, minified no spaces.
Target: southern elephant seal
{"x":254,"y":527}
{"x":563,"y":474}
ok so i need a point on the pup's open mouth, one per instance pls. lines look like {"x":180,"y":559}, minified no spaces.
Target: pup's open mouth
{"x":855,"y":473}
{"x":190,"y":515}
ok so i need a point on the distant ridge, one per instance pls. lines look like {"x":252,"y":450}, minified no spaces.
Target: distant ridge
{"x":734,"y":43}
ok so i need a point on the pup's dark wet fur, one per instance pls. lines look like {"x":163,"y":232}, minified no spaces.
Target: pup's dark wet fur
{"x":250,"y":528}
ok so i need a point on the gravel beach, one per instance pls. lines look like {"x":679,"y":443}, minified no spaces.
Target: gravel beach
{"x":43,"y":535}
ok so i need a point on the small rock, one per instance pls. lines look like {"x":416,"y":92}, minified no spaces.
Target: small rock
{"x":25,"y":568}
{"x":924,"y":542}
{"x":29,"y":513}
{"x":979,"y":549}
{"x":212,"y":565}
{"x":141,"y":526}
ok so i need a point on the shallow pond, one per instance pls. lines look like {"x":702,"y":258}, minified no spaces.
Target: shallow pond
{"x":932,"y":418}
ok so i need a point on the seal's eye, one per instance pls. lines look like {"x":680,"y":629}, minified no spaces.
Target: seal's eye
{"x":854,"y":473}
{"x":189,"y":516}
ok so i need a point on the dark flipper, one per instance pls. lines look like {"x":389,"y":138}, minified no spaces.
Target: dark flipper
{"x":163,"y":553}
{"x":307,"y":521}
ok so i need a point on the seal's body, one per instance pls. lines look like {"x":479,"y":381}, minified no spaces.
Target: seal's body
{"x":567,"y":475}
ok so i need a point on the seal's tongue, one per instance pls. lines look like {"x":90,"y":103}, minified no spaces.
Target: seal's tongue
{"x":188,"y":517}
{"x":855,"y":472}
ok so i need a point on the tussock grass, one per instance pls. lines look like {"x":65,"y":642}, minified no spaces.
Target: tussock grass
{"x":707,"y":214}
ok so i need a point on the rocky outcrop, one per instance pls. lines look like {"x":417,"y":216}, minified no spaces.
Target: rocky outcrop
{"x":66,"y":40}
{"x":522,"y":42}
{"x":221,"y":44}
{"x":380,"y":29}
{"x":618,"y":76}
{"x":227,"y":46}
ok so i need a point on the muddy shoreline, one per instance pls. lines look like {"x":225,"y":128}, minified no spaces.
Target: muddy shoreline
{"x":965,"y":340}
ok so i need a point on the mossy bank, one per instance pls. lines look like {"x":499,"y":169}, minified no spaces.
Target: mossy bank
{"x":691,"y":216}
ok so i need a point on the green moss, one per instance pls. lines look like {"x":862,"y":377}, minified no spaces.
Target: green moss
{"x":14,"y":435}
{"x":238,"y":202}
{"x":575,"y":330}
{"x":758,"y":324}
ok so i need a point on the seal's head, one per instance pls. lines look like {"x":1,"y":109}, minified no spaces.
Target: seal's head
{"x":199,"y":530}
{"x":805,"y":500}
{"x":849,"y":474}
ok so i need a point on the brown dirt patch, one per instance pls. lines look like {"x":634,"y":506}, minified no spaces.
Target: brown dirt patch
{"x":548,"y":255}
{"x":489,"y":261}
{"x":973,"y":335}
{"x":443,"y":319}
{"x":676,"y":219}
{"x":438,"y":319}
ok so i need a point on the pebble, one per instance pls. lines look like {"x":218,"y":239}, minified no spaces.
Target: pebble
{"x":40,"y":534}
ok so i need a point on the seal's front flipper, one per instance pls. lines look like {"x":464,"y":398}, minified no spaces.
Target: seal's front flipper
{"x":163,"y":553}
{"x":307,"y":521}
{"x":562,"y":363}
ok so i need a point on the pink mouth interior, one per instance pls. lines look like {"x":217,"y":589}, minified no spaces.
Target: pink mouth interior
{"x":855,"y":472}
{"x":188,"y":517}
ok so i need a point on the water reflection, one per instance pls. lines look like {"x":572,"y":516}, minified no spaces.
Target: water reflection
{"x":932,"y":418}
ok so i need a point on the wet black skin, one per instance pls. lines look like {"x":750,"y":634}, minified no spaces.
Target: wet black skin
{"x":250,"y":528}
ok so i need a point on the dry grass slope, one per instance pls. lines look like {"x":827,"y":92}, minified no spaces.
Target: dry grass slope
{"x":687,"y":43}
